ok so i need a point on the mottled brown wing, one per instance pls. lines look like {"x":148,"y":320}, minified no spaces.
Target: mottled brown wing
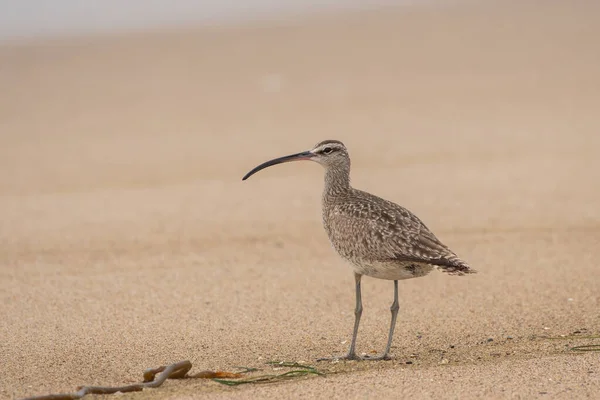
{"x":380,"y":230}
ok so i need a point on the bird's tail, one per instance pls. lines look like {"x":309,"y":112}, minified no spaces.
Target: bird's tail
{"x":453,"y":265}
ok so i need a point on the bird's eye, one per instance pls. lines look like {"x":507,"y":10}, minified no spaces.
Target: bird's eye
{"x":327,"y":150}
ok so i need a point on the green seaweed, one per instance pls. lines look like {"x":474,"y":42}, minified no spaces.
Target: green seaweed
{"x":587,"y":347}
{"x":304,"y":370}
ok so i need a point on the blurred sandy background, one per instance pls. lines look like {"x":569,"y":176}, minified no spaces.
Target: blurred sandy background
{"x":128,"y":240}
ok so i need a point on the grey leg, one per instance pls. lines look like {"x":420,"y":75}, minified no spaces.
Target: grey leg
{"x":357,"y":314}
{"x":394,"y":309}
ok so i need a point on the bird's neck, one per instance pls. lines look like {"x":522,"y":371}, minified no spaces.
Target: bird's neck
{"x":337,"y":181}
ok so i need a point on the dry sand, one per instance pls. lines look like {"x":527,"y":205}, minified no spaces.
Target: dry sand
{"x":129,"y":241}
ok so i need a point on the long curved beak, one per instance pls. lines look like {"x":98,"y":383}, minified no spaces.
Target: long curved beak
{"x":305,"y":155}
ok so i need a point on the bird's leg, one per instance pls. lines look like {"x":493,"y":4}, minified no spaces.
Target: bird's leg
{"x":357,"y":314}
{"x":394,"y":309}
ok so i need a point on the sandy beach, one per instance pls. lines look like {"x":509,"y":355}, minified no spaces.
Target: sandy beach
{"x":128,"y":240}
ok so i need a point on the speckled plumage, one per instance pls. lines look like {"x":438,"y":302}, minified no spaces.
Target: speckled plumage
{"x":377,"y":237}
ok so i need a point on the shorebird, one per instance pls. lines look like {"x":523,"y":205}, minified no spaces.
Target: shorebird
{"x":377,"y":237}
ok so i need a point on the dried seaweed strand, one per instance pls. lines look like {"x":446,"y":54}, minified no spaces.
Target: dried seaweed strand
{"x":174,"y":371}
{"x":180,"y":371}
